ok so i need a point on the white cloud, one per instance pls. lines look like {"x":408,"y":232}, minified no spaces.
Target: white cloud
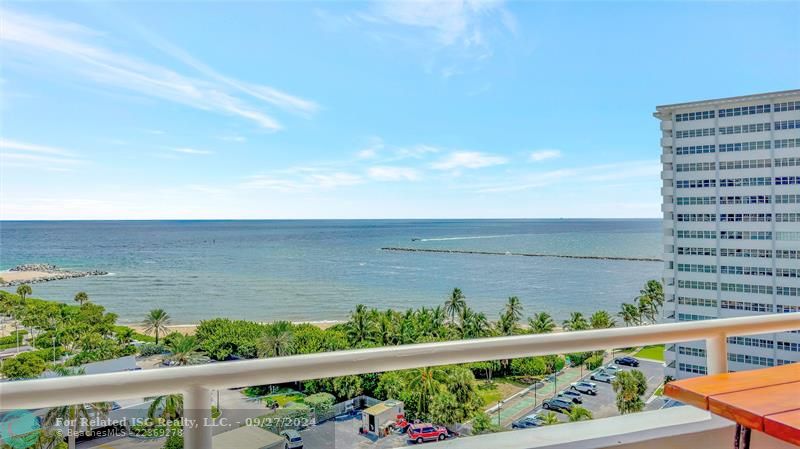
{"x":233,"y":138}
{"x":367,"y":153}
{"x":70,"y":48}
{"x":543,"y":155}
{"x":194,"y":151}
{"x":6,"y":144}
{"x":295,"y":181}
{"x":596,"y":174}
{"x":451,"y":21}
{"x":388,"y":173}
{"x":468,"y":159}
{"x":29,"y":155}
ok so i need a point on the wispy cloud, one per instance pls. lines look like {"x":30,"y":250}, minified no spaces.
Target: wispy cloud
{"x":388,"y":173}
{"x":543,"y":155}
{"x":301,"y":181}
{"x":233,"y":138}
{"x":72,"y":48}
{"x":468,"y":159}
{"x":22,"y":154}
{"x":193,"y":151}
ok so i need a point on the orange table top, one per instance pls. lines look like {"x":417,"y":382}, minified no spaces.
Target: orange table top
{"x":766,"y":399}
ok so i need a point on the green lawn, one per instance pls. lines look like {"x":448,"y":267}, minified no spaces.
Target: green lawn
{"x":489,"y":393}
{"x":654,"y":352}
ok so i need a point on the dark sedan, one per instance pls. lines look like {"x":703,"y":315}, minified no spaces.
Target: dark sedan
{"x":628,"y":361}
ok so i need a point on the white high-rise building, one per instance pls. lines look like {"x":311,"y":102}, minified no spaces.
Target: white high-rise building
{"x":731,"y":204}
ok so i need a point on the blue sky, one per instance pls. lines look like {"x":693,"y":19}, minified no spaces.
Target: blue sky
{"x":362,"y":110}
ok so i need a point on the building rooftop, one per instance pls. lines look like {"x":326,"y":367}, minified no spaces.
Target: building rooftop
{"x":739,"y":99}
{"x":246,"y":437}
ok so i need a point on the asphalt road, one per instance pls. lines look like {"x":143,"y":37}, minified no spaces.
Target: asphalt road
{"x":604,"y":404}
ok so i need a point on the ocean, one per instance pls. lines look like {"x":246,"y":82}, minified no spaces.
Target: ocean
{"x":318,"y":270}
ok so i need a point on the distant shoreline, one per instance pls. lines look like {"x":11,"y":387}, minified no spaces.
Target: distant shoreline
{"x":190,"y":329}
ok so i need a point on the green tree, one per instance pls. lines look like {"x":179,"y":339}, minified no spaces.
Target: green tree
{"x":347,"y":387}
{"x":167,"y":407}
{"x":23,"y":291}
{"x":156,"y":323}
{"x":549,"y":418}
{"x":514,"y":309}
{"x":483,"y":423}
{"x":81,"y":297}
{"x":630,"y":314}
{"x":576,"y":322}
{"x":185,"y":350}
{"x":24,"y":366}
{"x":579,"y":413}
{"x":424,"y":383}
{"x":601,"y":320}
{"x":629,"y":392}
{"x":361,"y":327}
{"x":76,"y":413}
{"x":278,"y":341}
{"x":455,"y":304}
{"x":541,"y":323}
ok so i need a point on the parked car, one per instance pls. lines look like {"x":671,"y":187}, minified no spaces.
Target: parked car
{"x":584,"y":387}
{"x":571,"y":395}
{"x":527,"y":422}
{"x":610,"y":369}
{"x":420,"y":433}
{"x":627,"y":361}
{"x":602,"y":376}
{"x":558,"y":404}
{"x":293,"y":439}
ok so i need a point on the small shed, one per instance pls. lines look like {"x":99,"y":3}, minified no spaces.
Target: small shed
{"x":380,"y":417}
{"x":248,"y":437}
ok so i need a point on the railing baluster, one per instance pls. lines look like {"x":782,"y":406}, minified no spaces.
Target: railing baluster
{"x":197,"y":414}
{"x":717,"y":354}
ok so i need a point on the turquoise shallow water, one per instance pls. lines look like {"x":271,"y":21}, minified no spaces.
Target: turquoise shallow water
{"x":320,"y":269}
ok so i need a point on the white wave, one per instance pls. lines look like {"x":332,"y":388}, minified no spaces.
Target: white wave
{"x":474,"y":237}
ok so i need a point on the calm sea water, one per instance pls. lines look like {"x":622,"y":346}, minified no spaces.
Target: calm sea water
{"x":319,"y":270}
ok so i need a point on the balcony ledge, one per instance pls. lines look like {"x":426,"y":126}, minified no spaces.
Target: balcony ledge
{"x":676,"y":427}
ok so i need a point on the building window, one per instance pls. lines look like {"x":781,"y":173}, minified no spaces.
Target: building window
{"x":787,"y":180}
{"x":744,"y":146}
{"x":695,"y":166}
{"x":787,"y":272}
{"x":690,"y":368}
{"x":697,"y":217}
{"x":749,"y":199}
{"x":700,"y":132}
{"x":787,"y":124}
{"x":696,"y":149}
{"x":694,"y":352}
{"x":787,"y":291}
{"x":745,"y":218}
{"x":746,"y":182}
{"x":751,"y":359}
{"x":745,"y":271}
{"x":743,"y":129}
{"x":698,"y":302}
{"x":786,"y":308}
{"x":787,"y":199}
{"x":745,"y":235}
{"x":693,"y":317}
{"x":787,"y":217}
{"x":751,"y":341}
{"x":698,"y":285}
{"x":695,"y":183}
{"x":744,"y":110}
{"x":751,"y":163}
{"x":697,"y":235}
{"x":788,"y":106}
{"x":687,"y":116}
{"x":695,"y":200}
{"x":697,"y":268}
{"x":787,"y":254}
{"x":787,"y":143}
{"x":738,"y":252}
{"x":748,"y":306}
{"x":787,"y":162}
{"x":788,"y":236}
{"x":746,"y":288}
{"x":692,"y":251}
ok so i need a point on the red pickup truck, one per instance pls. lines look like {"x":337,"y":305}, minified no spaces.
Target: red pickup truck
{"x":420,"y":433}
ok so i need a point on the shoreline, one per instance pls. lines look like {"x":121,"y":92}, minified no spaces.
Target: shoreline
{"x":189,"y":329}
{"x":38,"y":273}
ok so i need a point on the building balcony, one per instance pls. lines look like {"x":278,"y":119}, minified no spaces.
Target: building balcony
{"x":666,"y":125}
{"x":666,"y":141}
{"x":678,"y":427}
{"x":667,"y":191}
{"x":666,"y":158}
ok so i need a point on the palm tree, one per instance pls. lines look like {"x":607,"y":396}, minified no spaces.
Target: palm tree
{"x":579,"y":413}
{"x":170,"y":406}
{"x":514,"y":309}
{"x":75,"y":413}
{"x":185,"y":350}
{"x":601,"y":320}
{"x":425,"y":382}
{"x":81,"y":297}
{"x":156,"y":322}
{"x":630,"y":314}
{"x":24,"y":290}
{"x":472,"y":324}
{"x":576,"y":322}
{"x":455,"y":304}
{"x":124,"y":336}
{"x":361,"y":327}
{"x":550,"y":418}
{"x":541,"y":323}
{"x":278,"y":341}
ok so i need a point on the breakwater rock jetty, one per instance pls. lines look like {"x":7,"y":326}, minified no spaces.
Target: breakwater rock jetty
{"x":492,"y":253}
{"x":41,"y":272}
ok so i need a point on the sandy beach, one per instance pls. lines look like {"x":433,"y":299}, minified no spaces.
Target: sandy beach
{"x":23,"y":276}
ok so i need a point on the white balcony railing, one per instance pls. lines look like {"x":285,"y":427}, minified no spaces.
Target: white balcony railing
{"x":195,"y":382}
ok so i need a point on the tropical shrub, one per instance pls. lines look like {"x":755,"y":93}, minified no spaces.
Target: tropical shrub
{"x":221,"y":338}
{"x":529,"y":367}
{"x":594,"y":362}
{"x":150,"y":349}
{"x":24,"y":366}
{"x":320,"y":402}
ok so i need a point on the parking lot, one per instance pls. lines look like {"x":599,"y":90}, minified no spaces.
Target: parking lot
{"x":343,"y":434}
{"x":604,"y":404}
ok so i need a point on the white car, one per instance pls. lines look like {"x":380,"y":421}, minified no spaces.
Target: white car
{"x":601,"y":376}
{"x":584,"y":387}
{"x":293,"y":439}
{"x":611,"y":370}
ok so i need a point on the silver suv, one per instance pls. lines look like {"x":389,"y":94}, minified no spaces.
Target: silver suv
{"x":584,"y":387}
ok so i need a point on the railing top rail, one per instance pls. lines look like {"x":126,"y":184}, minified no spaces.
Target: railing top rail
{"x":113,"y":386}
